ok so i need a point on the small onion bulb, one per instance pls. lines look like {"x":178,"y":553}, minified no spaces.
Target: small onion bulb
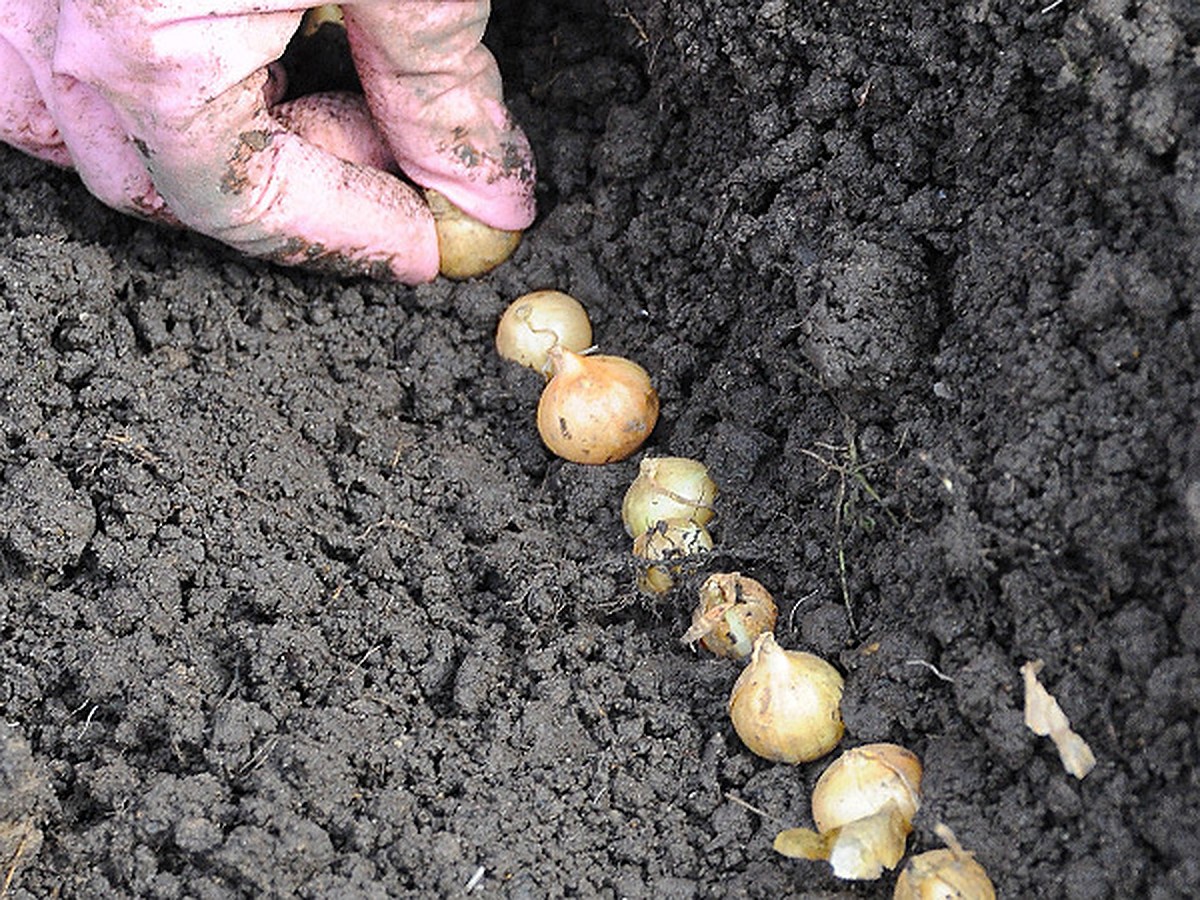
{"x":733,"y":611}
{"x":535,"y":322}
{"x":951,"y":874}
{"x":466,"y":246}
{"x":862,"y":780}
{"x":785,"y":706}
{"x":596,"y":409}
{"x":668,"y":487}
{"x":668,"y":541}
{"x":863,"y":806}
{"x":325,"y":14}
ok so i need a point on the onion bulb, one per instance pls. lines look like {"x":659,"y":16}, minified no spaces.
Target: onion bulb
{"x":948,"y":874}
{"x":733,"y":611}
{"x":863,"y":780}
{"x":466,"y":246}
{"x":596,"y":409}
{"x":671,"y":540}
{"x":785,"y":704}
{"x":863,"y":806}
{"x":325,"y":14}
{"x":668,"y":487}
{"x":535,"y":322}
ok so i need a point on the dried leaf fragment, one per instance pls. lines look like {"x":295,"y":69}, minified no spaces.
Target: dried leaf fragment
{"x":802,"y":843}
{"x":1043,"y":716}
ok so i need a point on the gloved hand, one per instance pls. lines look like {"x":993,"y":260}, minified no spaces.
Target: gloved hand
{"x":172,"y":114}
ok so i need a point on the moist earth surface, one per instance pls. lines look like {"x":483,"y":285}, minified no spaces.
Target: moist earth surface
{"x":296,"y":604}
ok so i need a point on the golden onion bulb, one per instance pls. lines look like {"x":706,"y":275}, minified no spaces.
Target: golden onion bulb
{"x":666,"y":542}
{"x":785,"y":706}
{"x":595,"y":409}
{"x":537,"y":321}
{"x":865,"y":802}
{"x":862,"y":781}
{"x":466,"y":246}
{"x":733,"y":611}
{"x":668,"y":487}
{"x":951,"y":874}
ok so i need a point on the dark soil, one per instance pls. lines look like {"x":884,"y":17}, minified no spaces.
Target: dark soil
{"x":296,"y":604}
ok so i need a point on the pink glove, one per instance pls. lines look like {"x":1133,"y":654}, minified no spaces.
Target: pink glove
{"x":171,"y":115}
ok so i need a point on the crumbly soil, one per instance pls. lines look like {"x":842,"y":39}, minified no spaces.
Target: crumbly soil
{"x":296,"y":604}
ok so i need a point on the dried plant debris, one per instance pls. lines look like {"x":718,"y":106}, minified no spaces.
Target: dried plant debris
{"x":1045,"y":717}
